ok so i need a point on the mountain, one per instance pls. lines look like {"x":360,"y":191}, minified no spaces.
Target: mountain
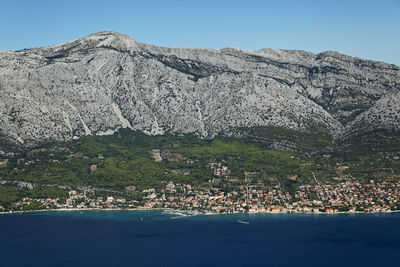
{"x":107,"y":81}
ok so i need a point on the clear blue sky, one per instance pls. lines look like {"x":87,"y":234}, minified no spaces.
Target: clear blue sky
{"x":368,"y":29}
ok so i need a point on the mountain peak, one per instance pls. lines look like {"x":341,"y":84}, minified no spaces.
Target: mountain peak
{"x":111,"y":39}
{"x":109,"y":35}
{"x":104,"y":39}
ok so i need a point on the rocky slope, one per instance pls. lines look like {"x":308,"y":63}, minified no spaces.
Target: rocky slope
{"x":107,"y":81}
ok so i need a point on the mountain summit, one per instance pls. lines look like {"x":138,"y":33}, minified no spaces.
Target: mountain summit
{"x":107,"y":81}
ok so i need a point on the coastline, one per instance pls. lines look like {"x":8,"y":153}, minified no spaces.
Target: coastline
{"x":180,"y":214}
{"x":83,"y":209}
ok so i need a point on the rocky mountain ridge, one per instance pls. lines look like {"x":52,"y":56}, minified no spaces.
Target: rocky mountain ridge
{"x":107,"y":81}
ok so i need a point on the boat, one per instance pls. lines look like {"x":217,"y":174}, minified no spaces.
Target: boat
{"x":244,"y":222}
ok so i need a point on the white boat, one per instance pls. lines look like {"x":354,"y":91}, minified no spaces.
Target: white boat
{"x":244,"y":222}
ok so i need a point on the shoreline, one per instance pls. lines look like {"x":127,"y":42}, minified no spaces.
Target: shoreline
{"x":204,"y":213}
{"x":83,"y":209}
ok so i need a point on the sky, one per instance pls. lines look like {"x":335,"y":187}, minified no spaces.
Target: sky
{"x":367,"y":29}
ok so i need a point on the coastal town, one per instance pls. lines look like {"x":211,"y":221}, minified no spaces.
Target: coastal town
{"x":186,"y":174}
{"x":345,"y":197}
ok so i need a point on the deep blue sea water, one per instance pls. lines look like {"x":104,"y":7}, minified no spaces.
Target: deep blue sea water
{"x":150,"y":238}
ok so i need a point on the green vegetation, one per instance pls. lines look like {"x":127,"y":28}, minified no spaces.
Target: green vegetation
{"x":240,"y":156}
{"x":344,"y":120}
{"x":47,"y":192}
{"x":350,"y":107}
{"x":11,"y":193}
{"x":287,"y":139}
{"x":126,"y":159}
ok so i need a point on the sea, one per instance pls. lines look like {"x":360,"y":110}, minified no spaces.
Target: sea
{"x":151,"y":238}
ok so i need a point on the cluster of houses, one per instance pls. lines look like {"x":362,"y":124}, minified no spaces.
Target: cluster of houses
{"x":352,"y":196}
{"x":342,"y":197}
{"x":219,"y":169}
{"x":76,"y":200}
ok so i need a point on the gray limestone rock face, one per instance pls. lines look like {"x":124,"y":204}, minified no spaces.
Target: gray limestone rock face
{"x":107,"y":81}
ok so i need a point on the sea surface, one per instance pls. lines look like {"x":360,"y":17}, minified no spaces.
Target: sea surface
{"x":151,"y":238}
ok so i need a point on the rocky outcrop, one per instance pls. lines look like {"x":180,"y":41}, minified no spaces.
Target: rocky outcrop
{"x":107,"y":81}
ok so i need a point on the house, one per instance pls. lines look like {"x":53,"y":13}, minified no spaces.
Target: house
{"x":307,"y":209}
{"x":275,"y":210}
{"x":330,"y":210}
